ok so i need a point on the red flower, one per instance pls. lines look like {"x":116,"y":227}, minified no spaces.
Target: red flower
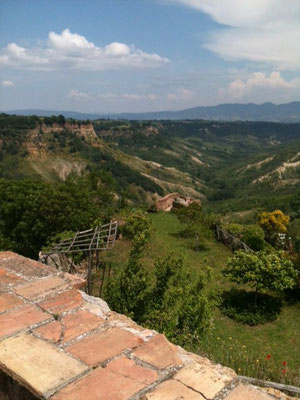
{"x":284,"y":371}
{"x":284,"y":363}
{"x":268,"y":356}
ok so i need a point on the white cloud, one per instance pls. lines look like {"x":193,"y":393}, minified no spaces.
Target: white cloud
{"x":265,"y":31}
{"x":259,"y":81}
{"x":181,"y":94}
{"x":69,"y":41}
{"x":133,"y":96}
{"x":7,"y":83}
{"x":72,"y":51}
{"x":127,"y":96}
{"x":75,"y":94}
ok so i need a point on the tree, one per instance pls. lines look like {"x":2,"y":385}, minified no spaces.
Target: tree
{"x":137,"y":223}
{"x":253,"y":235}
{"x":261,"y":270}
{"x":31,"y":212}
{"x":128,"y":291}
{"x":196,"y":223}
{"x":273,"y":223}
{"x":173,"y":302}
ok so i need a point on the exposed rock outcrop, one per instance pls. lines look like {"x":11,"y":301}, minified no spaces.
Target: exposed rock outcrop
{"x":174,"y":200}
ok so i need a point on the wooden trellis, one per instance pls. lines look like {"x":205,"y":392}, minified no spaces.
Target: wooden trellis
{"x":91,"y":241}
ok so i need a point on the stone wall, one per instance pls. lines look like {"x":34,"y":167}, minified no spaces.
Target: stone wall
{"x":58,"y":343}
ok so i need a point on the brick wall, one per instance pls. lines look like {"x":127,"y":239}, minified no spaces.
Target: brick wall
{"x":58,"y":343}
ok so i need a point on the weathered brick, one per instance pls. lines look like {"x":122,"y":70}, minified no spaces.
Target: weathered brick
{"x":8,"y":301}
{"x":207,"y":379}
{"x":99,"y":347}
{"x":101,"y":384}
{"x":39,"y":365}
{"x":124,"y":366}
{"x":51,"y":331}
{"x":8,"y":281}
{"x":62,"y":302}
{"x":23,"y":317}
{"x":173,"y":390}
{"x":72,"y":326}
{"x":74,"y":281}
{"x":165,"y":357}
{"x":42,"y":287}
{"x":25,"y":266}
{"x":248,"y":392}
{"x":78,"y":323}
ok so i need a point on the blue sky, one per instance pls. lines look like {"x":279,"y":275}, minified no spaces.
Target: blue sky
{"x":147,"y":55}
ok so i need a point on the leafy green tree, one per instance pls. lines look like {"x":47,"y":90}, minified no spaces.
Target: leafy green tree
{"x":128,"y":291}
{"x":178,"y":306}
{"x":137,"y":223}
{"x":31,"y":211}
{"x":196,"y":225}
{"x":253,"y":235}
{"x":261,"y":270}
{"x":172,"y":303}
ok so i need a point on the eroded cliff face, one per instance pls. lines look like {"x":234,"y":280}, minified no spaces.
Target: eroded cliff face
{"x":85,"y":130}
{"x":49,"y":163}
{"x":35,"y":143}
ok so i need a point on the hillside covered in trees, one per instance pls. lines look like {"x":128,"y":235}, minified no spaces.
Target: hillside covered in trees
{"x":171,"y":271}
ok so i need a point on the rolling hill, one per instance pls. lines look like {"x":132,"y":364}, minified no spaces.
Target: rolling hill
{"x":288,"y":112}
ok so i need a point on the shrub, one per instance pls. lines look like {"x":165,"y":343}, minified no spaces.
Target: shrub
{"x":136,"y":223}
{"x":261,"y":270}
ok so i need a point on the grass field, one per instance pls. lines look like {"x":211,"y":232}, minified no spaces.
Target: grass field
{"x":268,"y":351}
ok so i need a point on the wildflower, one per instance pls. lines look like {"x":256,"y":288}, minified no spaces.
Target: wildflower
{"x":218,"y":338}
{"x":283,"y":371}
{"x":268,"y":356}
{"x":257,"y":361}
{"x":284,"y":363}
{"x":230,"y":338}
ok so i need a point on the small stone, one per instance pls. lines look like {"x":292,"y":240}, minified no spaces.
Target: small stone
{"x":172,"y":390}
{"x":99,"y":347}
{"x":158,"y":352}
{"x":101,"y":384}
{"x":124,"y":366}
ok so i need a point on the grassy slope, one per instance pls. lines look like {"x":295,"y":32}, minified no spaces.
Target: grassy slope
{"x":230,"y":343}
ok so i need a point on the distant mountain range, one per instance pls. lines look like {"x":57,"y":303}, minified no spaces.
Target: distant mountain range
{"x":288,"y":112}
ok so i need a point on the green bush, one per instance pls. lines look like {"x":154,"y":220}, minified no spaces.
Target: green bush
{"x":136,"y":223}
{"x":261,"y":270}
{"x":253,"y":235}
